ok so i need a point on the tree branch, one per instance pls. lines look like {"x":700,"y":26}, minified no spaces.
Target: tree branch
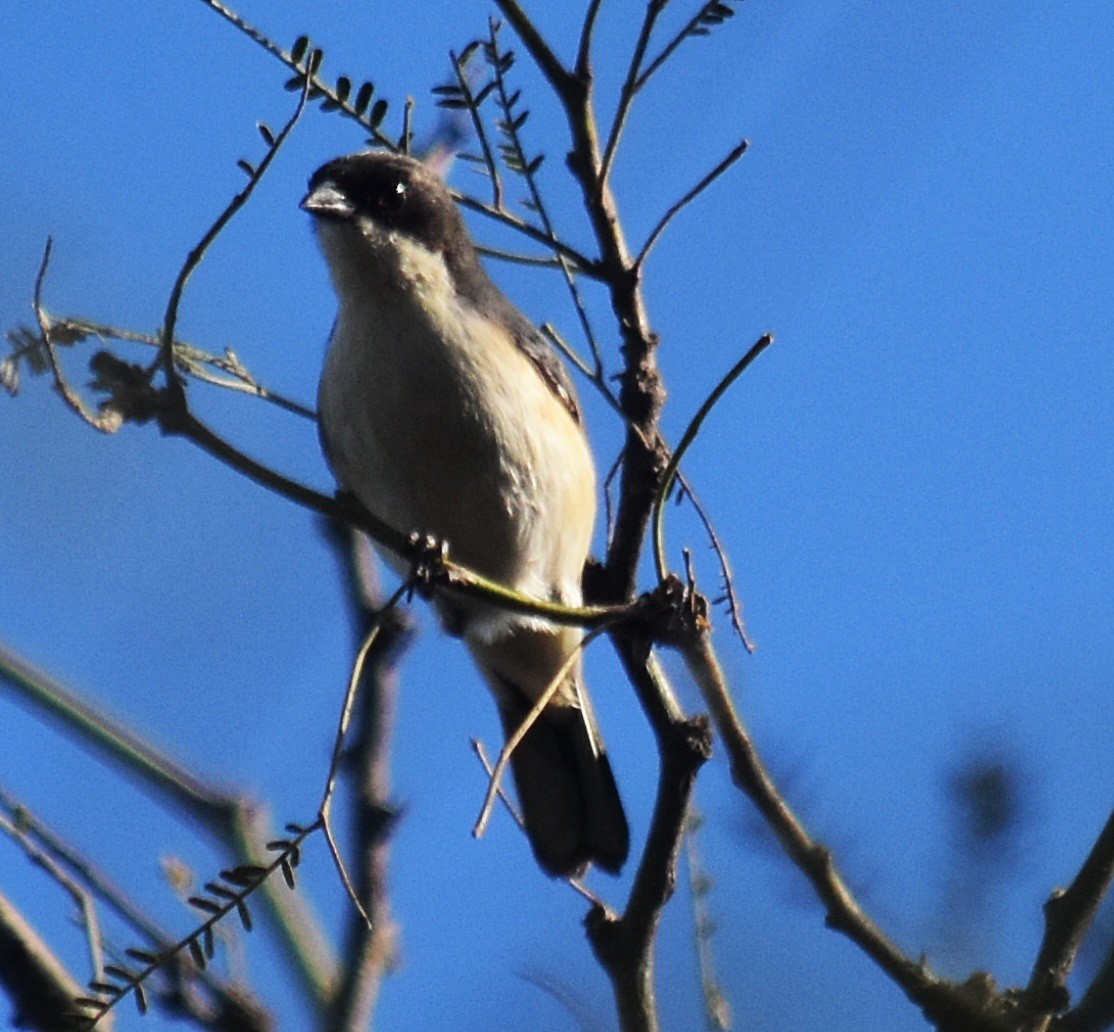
{"x":1068,"y":915}
{"x":41,"y":989}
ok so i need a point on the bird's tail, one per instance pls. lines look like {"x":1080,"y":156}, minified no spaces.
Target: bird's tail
{"x":570,"y":803}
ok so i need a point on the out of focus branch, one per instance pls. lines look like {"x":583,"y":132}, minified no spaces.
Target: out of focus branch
{"x":40,"y":988}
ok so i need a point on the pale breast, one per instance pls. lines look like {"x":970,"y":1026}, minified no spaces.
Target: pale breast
{"x":443,"y":428}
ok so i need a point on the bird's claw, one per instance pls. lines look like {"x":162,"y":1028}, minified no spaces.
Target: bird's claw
{"x":427,"y":555}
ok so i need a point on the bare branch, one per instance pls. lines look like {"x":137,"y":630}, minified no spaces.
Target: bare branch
{"x":692,"y":28}
{"x":584,"y":49}
{"x":473,"y":107}
{"x":512,"y":743}
{"x":40,"y":987}
{"x":666,"y":482}
{"x":547,"y":61}
{"x":371,"y":952}
{"x":107,"y":422}
{"x":78,"y":893}
{"x":688,"y":198}
{"x":511,"y":125}
{"x":630,"y":87}
{"x":193,"y":259}
{"x":625,"y":945}
{"x":238,"y":823}
{"x":1068,"y":915}
{"x":354,"y":681}
{"x":582,"y":263}
{"x":952,"y":1005}
{"x":717,"y":1011}
{"x":727,"y":576}
{"x":236,"y":1004}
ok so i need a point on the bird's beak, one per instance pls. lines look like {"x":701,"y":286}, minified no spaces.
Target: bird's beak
{"x":325,"y":201}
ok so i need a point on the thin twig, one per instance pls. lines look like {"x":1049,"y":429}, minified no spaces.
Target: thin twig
{"x":717,"y":1010}
{"x":318,"y":85}
{"x":239,"y":1000}
{"x":553,"y":335}
{"x":479,"y":128}
{"x":237,"y":823}
{"x":107,"y":422}
{"x":78,"y":892}
{"x":325,"y":809}
{"x":190,"y":358}
{"x":536,"y":260}
{"x":528,"y":722}
{"x":510,"y":125}
{"x":673,"y":44}
{"x":1068,"y":916}
{"x":583,"y":64}
{"x":581,"y":262}
{"x":688,"y":198}
{"x":193,"y":259}
{"x":130,"y":981}
{"x":667,"y":478}
{"x":547,"y":61}
{"x":630,"y":87}
{"x":575,"y":883}
{"x":727,"y":576}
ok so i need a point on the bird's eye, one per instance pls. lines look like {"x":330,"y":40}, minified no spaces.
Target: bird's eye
{"x":394,"y":197}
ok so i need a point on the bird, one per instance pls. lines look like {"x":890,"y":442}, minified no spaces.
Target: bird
{"x":445,"y":412}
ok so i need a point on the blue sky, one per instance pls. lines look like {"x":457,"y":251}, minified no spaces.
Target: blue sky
{"x":914,"y":483}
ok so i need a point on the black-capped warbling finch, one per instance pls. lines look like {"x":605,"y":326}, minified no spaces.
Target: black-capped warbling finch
{"x":445,"y":412}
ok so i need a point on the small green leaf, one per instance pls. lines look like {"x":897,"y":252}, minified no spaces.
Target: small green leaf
{"x":245,"y":915}
{"x":140,"y":998}
{"x":295,"y":82}
{"x":378,"y":113}
{"x":535,"y":164}
{"x":287,"y":873}
{"x":246,"y":167}
{"x":453,"y":104}
{"x":265,"y":132}
{"x":209,"y":942}
{"x":344,"y":87}
{"x":197,"y":953}
{"x":315,"y":60}
{"x":297,"y":52}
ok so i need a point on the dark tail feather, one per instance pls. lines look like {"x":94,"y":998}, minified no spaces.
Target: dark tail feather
{"x":570,"y":803}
